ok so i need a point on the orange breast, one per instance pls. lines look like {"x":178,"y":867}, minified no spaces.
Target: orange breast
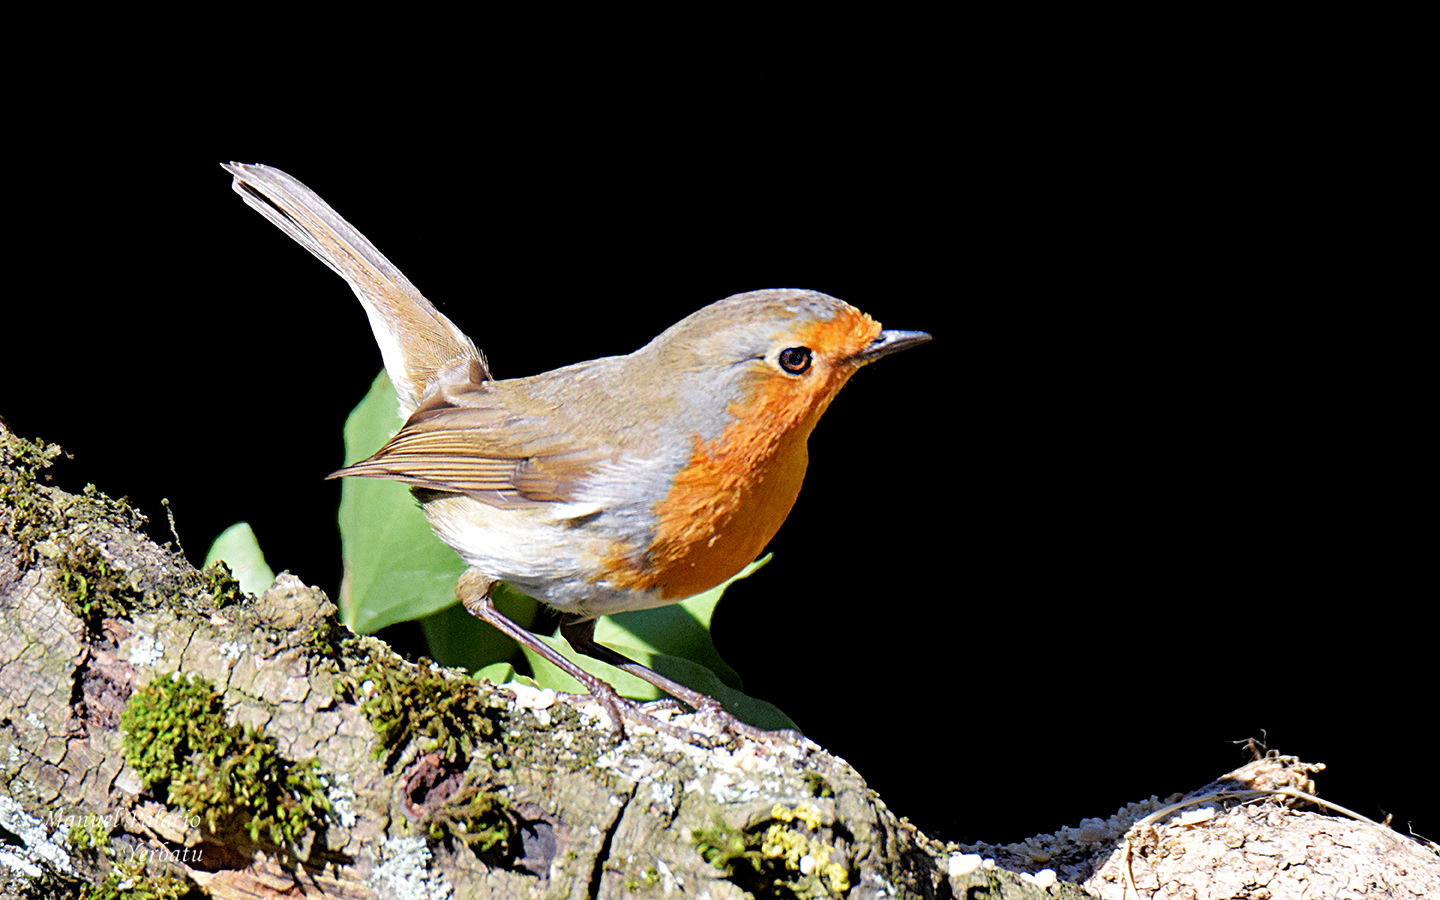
{"x":720,"y":515}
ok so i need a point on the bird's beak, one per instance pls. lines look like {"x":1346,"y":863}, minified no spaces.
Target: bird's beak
{"x":890,"y":342}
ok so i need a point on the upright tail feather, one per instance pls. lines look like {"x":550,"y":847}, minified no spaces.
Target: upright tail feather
{"x":421,"y":347}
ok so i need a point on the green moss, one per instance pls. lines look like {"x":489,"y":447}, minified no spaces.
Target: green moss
{"x":177,"y":738}
{"x":222,"y":584}
{"x":479,"y":819}
{"x":25,"y":513}
{"x":789,"y":858}
{"x":128,"y":874}
{"x":92,"y":589}
{"x":327,"y":639}
{"x":442,"y":715}
{"x":131,"y":880}
{"x":645,"y":877}
{"x":166,"y":720}
{"x":448,"y":717}
{"x":91,"y":837}
{"x":723,"y":847}
{"x":819,"y":787}
{"x":51,"y":885}
{"x":31,"y":512}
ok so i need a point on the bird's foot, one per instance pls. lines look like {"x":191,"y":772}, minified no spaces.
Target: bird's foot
{"x":722,"y":721}
{"x":711,"y":725}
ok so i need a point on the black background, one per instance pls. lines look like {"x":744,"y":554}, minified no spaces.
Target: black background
{"x":1152,"y":488}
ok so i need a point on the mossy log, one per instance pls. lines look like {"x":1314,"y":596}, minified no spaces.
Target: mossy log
{"x":161,"y":732}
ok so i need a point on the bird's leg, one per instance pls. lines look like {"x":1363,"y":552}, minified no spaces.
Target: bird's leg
{"x":474,"y":590}
{"x":581,"y":636}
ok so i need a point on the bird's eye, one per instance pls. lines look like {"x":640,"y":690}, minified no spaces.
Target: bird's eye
{"x":795,"y":360}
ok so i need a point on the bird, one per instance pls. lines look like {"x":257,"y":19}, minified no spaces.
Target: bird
{"x":619,"y":483}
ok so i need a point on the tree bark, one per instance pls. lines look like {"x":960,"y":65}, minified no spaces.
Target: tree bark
{"x":434,"y":785}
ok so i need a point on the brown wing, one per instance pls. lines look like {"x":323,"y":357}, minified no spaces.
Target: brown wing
{"x":472,"y":441}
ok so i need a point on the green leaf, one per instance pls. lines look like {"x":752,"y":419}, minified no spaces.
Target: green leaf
{"x":395,"y":567}
{"x":241,"y":551}
{"x":496,"y":673}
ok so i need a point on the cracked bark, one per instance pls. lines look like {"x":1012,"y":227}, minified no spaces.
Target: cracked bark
{"x":592,"y":819}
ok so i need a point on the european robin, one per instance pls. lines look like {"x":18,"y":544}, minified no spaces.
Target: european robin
{"x":626,"y":482}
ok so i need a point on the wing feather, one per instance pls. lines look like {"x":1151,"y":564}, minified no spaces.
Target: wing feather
{"x":468,"y":441}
